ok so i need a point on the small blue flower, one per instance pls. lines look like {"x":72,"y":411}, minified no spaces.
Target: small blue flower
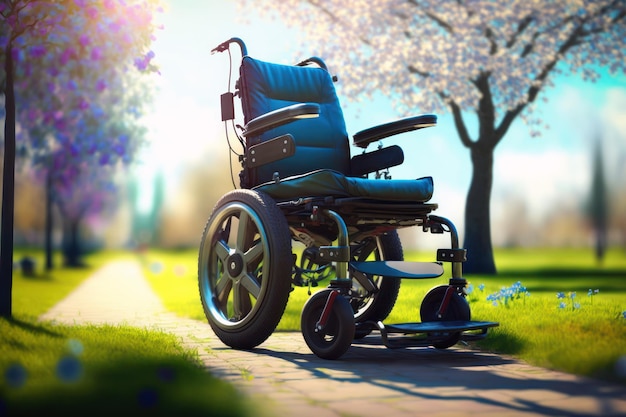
{"x":562,"y":305}
{"x":624,"y":314}
{"x":576,"y":305}
{"x":572,"y":295}
{"x":69,"y":369}
{"x":15,"y":375}
{"x":481,"y":287}
{"x":560,"y":295}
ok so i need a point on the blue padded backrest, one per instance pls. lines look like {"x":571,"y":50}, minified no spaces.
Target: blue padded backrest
{"x":321,"y":143}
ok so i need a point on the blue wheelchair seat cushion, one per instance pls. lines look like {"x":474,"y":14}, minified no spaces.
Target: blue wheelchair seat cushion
{"x":330,"y":183}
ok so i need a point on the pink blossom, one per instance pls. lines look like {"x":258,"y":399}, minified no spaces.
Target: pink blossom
{"x":92,"y":12}
{"x":101,"y":85}
{"x":96,"y":54}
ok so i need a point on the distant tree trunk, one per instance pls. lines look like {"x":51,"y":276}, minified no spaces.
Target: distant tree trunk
{"x":72,"y":252}
{"x":477,"y":205}
{"x":598,"y":204}
{"x":49,"y":222}
{"x":8,"y":189}
{"x":477,"y":213}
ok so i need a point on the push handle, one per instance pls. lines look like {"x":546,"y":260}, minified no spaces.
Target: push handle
{"x":226,"y":44}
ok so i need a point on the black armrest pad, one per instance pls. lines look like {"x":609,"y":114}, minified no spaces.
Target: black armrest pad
{"x":380,"y":159}
{"x":367,"y":136}
{"x":280,"y":117}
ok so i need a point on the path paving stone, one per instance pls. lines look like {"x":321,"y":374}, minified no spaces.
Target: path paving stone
{"x":369,"y":380}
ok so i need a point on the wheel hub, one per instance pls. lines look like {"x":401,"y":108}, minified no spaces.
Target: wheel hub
{"x":235,"y":265}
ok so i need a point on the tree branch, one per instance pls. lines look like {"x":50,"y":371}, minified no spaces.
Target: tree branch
{"x":335,"y":19}
{"x":576,"y":38}
{"x":523,"y":25}
{"x":459,"y":123}
{"x":442,"y":23}
{"x":413,"y":70}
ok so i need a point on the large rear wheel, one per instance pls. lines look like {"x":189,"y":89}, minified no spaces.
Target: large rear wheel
{"x":244,"y":268}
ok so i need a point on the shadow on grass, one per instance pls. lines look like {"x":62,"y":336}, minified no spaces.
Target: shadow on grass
{"x":31,"y":327}
{"x":502,"y":341}
{"x":137,"y":386}
{"x":552,"y":278}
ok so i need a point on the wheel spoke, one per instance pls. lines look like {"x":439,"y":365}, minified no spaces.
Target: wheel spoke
{"x":250,"y":283}
{"x":241,"y":301}
{"x":254,"y":253}
{"x":222,"y":288}
{"x":242,"y":231}
{"x":222,"y":296}
{"x":222,"y":250}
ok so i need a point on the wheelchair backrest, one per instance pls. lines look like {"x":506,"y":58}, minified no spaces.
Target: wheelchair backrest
{"x":321,"y":143}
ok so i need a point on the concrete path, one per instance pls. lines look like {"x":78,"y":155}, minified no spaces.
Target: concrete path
{"x":369,"y":380}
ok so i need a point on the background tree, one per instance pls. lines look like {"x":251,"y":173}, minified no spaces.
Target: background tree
{"x":117,"y":31}
{"x":475,"y":58}
{"x":598,"y":204}
{"x":105,"y":132}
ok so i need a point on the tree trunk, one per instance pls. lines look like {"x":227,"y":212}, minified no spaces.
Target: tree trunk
{"x":477,"y":214}
{"x":71,"y":244}
{"x":49,"y":220}
{"x":8,"y":190}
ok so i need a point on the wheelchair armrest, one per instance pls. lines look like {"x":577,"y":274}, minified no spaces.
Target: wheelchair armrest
{"x":280,"y":117}
{"x":380,"y":159}
{"x":367,"y":136}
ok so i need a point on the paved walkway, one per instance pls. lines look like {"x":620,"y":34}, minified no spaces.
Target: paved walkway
{"x":369,"y":380}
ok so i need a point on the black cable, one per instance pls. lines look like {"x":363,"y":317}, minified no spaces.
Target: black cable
{"x":230,"y":147}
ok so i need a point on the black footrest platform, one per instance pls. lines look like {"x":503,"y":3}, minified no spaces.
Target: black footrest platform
{"x":437,"y":326}
{"x":429,"y":333}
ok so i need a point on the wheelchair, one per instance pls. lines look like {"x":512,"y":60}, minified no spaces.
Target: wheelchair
{"x":307,"y":211}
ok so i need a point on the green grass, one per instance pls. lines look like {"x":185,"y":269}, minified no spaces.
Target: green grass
{"x":587,"y":340}
{"x":101,"y":370}
{"x":90,"y":370}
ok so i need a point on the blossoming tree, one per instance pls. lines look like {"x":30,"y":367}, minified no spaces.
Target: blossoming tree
{"x":53,"y":42}
{"x":478,"y":59}
{"x":93,"y":127}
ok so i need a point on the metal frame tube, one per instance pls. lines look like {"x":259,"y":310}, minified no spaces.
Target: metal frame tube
{"x":457,"y":267}
{"x":342,"y":241}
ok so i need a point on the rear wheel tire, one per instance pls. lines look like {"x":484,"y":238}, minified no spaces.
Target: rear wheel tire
{"x":244,"y":268}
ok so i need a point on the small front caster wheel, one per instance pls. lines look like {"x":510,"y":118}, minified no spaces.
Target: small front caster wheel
{"x":332,"y":339}
{"x":457,"y":309}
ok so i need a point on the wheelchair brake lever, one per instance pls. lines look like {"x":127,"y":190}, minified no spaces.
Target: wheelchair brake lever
{"x":221,"y":47}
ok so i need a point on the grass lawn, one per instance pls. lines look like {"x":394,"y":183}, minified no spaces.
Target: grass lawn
{"x":577,"y":333}
{"x":98,"y":370}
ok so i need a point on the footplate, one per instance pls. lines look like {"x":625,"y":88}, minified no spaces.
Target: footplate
{"x":405,"y":335}
{"x":399,"y":269}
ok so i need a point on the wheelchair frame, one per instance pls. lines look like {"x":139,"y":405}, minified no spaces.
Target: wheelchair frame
{"x":246,"y":268}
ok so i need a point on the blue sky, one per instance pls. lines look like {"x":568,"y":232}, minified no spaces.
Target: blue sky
{"x":544,"y":171}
